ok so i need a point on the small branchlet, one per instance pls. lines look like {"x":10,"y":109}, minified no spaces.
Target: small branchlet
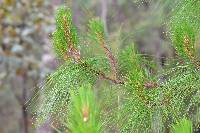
{"x":72,"y":52}
{"x":189,"y":51}
{"x":65,"y":37}
{"x":98,"y":34}
{"x":101,"y":74}
{"x":184,"y":27}
{"x":151,"y":85}
{"x":109,"y":54}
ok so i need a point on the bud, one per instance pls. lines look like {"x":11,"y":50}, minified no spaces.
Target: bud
{"x":85,"y":113}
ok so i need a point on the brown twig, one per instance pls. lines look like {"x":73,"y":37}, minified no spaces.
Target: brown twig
{"x":189,"y":53}
{"x":109,"y":54}
{"x":71,"y":52}
{"x":68,"y":35}
{"x":102,"y":75}
{"x":151,"y":85}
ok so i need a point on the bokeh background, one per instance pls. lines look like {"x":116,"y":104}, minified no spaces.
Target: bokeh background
{"x":26,"y":54}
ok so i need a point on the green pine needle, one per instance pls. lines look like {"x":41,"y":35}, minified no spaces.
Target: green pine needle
{"x":184,"y":24}
{"x":84,"y":113}
{"x":65,"y":33}
{"x":183,"y":126}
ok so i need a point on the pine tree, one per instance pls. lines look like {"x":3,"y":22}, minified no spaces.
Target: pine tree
{"x":131,"y":96}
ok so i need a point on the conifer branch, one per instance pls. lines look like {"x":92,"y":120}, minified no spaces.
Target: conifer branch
{"x":102,"y":75}
{"x":141,"y":95}
{"x":140,"y":91}
{"x":71,"y":52}
{"x":97,"y":32}
{"x":189,"y":53}
{"x":147,"y":96}
{"x":68,"y":35}
{"x":151,"y":85}
{"x":108,"y":53}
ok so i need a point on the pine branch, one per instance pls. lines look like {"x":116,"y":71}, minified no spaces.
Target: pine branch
{"x":151,"y":85}
{"x":65,"y":37}
{"x":101,"y":74}
{"x":145,"y":96}
{"x":109,"y":54}
{"x":190,"y":53}
{"x":98,"y":34}
{"x":72,"y":52}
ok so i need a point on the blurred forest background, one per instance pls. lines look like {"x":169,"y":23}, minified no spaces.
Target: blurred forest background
{"x":26,"y":55}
